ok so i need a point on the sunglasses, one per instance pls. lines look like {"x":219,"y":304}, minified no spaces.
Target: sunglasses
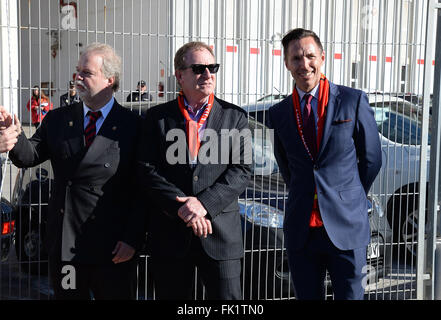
{"x":200,"y":68}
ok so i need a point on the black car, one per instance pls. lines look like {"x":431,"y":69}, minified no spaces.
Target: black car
{"x":7,"y":221}
{"x":30,"y":203}
{"x":7,"y":224}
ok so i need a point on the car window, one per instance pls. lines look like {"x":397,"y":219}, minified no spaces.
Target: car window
{"x":264,"y":161}
{"x":271,"y":97}
{"x":399,"y":122}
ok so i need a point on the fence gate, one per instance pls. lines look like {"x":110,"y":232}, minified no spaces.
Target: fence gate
{"x":386,"y":48}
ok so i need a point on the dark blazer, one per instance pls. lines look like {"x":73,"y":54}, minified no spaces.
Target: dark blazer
{"x":216,"y":185}
{"x":136,"y":96}
{"x":348,"y":161}
{"x":65,"y":100}
{"x":91,"y":205}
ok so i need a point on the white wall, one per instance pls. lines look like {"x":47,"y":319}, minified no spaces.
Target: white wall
{"x":136,"y":29}
{"x":8,"y":55}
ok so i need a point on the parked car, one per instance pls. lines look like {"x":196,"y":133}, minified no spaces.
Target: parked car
{"x":272,"y":97}
{"x":257,"y":109}
{"x":7,"y":222}
{"x":30,"y":202}
{"x":416,"y":99}
{"x":400,"y":124}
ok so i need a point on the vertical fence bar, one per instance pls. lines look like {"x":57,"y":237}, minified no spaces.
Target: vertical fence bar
{"x":421,"y":275}
{"x":433,"y":209}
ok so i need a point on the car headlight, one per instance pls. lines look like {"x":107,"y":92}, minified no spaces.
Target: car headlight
{"x":261,"y":214}
{"x":374,"y":205}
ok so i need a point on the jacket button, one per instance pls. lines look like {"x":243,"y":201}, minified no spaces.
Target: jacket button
{"x":195,"y":178}
{"x":61,"y":210}
{"x":92,"y":217}
{"x":107,"y":165}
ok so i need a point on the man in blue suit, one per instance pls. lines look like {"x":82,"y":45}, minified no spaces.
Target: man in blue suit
{"x":328,"y":150}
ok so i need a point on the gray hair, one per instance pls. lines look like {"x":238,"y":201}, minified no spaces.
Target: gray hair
{"x":111,"y":61}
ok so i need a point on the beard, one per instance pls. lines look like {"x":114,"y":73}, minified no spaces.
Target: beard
{"x":82,"y":90}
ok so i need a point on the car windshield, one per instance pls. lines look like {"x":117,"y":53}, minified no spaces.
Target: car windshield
{"x":399,"y":121}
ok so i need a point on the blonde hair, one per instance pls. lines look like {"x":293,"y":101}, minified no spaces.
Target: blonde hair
{"x":190,"y":46}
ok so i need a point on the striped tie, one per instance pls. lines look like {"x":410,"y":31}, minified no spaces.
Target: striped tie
{"x":90,"y":131}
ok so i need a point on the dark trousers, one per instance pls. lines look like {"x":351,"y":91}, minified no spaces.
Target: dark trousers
{"x":73,"y":281}
{"x":175,"y":278}
{"x":308,"y":269}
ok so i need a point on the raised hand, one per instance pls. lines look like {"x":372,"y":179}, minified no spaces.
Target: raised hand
{"x":9,"y":130}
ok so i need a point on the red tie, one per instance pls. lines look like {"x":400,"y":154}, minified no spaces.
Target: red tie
{"x":90,"y":131}
{"x":309,"y":126}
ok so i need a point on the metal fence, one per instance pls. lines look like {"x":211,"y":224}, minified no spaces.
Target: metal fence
{"x":384,"y":47}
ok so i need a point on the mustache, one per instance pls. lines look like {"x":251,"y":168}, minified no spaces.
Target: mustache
{"x":81,"y":83}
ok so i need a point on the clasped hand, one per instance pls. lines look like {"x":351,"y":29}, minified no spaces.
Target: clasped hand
{"x":9,"y":130}
{"x":123,"y":252}
{"x":193,"y":213}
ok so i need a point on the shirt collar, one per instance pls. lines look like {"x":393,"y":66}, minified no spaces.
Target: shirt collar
{"x":314,"y":92}
{"x":190,"y":108}
{"x":104,"y":110}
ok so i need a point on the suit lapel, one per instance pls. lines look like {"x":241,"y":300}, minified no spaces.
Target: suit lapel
{"x":214,"y":119}
{"x":71,"y":148}
{"x":333,"y":104}
{"x":74,"y":128}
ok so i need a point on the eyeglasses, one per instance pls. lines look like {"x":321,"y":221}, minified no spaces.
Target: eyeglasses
{"x":200,"y":68}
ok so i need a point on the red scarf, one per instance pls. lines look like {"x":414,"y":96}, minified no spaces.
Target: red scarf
{"x":315,"y":220}
{"x":192,"y":127}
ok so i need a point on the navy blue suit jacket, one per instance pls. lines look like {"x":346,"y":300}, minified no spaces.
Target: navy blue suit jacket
{"x":348,"y":161}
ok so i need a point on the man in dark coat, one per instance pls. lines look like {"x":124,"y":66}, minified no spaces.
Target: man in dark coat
{"x":93,"y":226}
{"x":71,"y":97}
{"x":201,"y":224}
{"x":140,"y":94}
